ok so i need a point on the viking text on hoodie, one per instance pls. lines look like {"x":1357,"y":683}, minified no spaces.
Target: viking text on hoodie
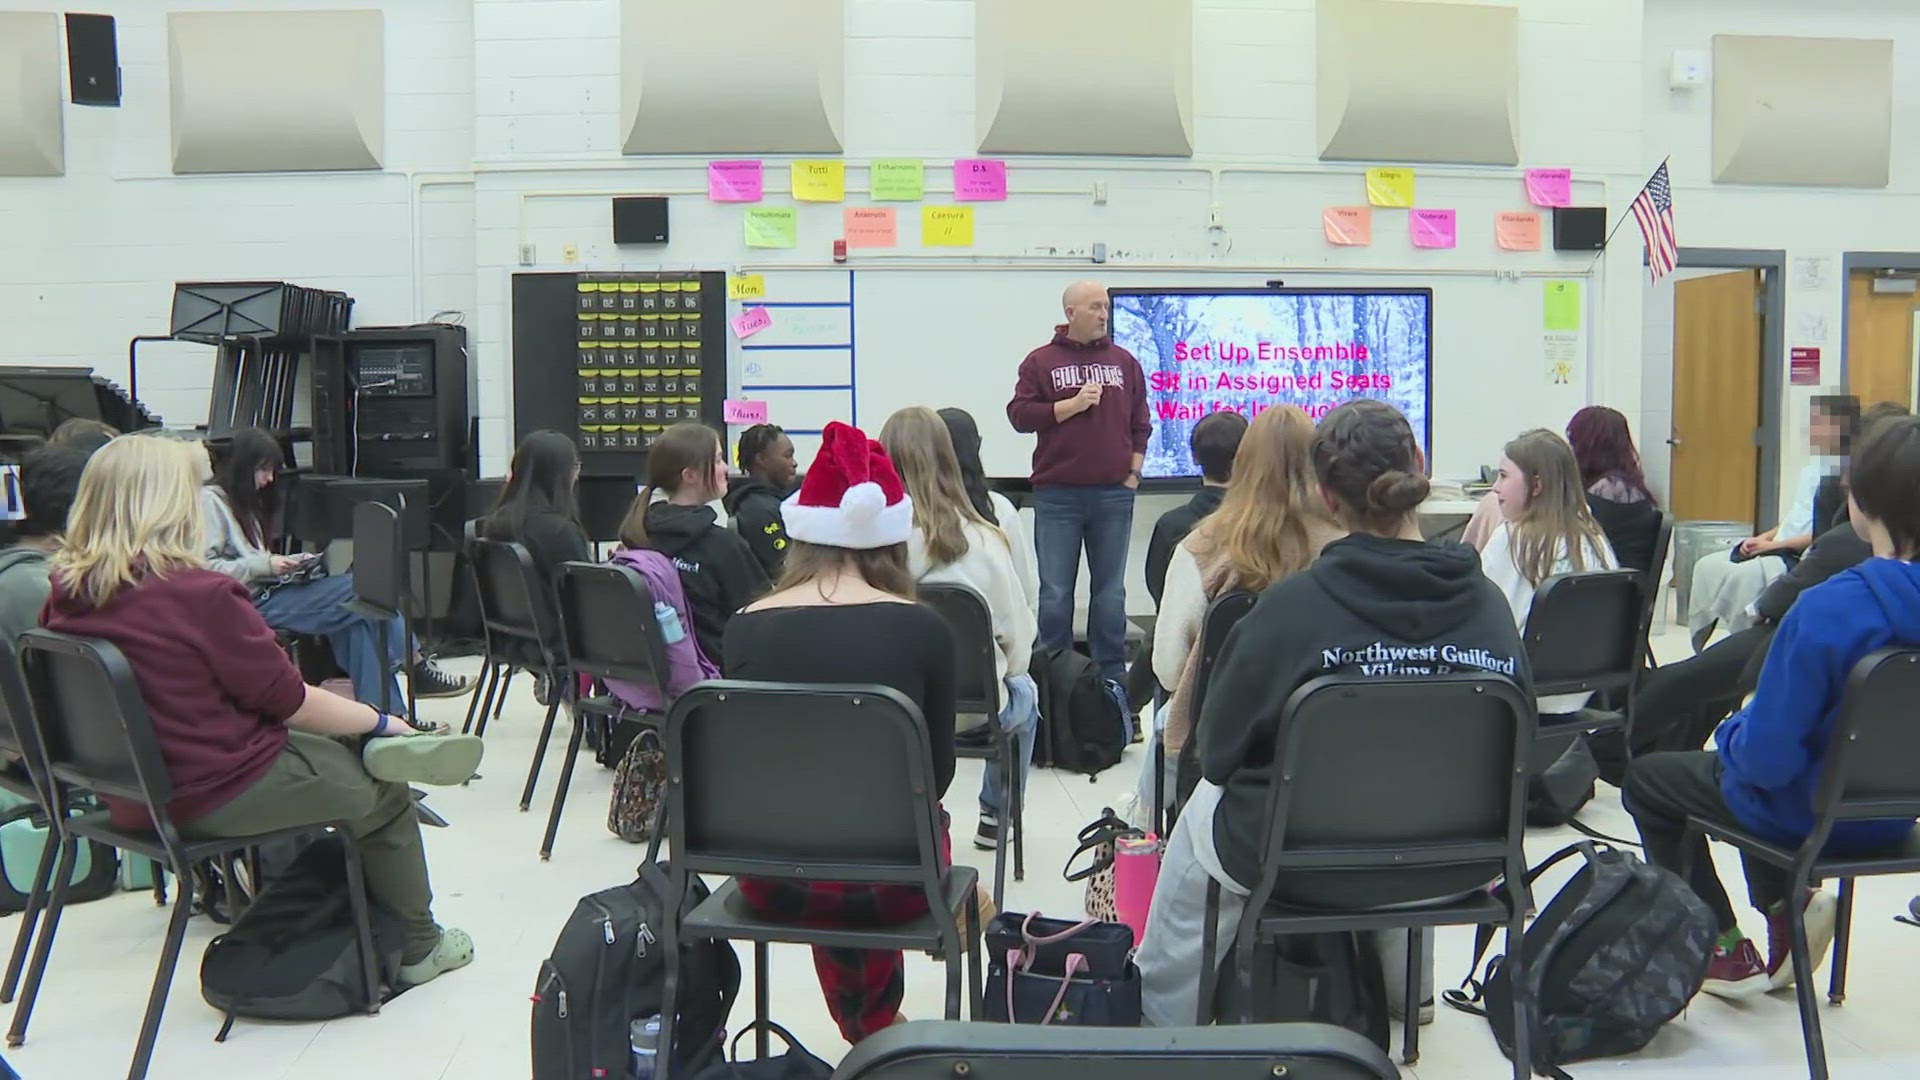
{"x":1093,"y":448}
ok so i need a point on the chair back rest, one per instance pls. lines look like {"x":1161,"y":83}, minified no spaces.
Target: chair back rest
{"x":1403,"y":770}
{"x":508,"y":584}
{"x":93,"y":727}
{"x":19,"y":736}
{"x":829,"y":783}
{"x":1583,"y":631}
{"x":1872,"y":766}
{"x":1223,"y":614}
{"x":379,"y":562}
{"x":1650,"y":580}
{"x":977,"y":654}
{"x":607,"y":621}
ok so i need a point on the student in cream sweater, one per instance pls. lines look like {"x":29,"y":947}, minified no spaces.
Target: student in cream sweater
{"x":952,"y":544}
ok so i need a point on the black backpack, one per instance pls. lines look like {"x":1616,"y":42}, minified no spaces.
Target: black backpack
{"x":24,"y":836}
{"x":1562,"y":788}
{"x":1618,"y":952}
{"x":293,"y":953}
{"x":1327,"y":978}
{"x":605,"y":973}
{"x":1082,"y":727}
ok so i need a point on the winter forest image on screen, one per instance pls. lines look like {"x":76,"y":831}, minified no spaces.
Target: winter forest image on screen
{"x":1247,"y":352}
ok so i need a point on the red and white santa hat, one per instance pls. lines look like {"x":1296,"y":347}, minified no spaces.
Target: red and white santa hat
{"x":851,"y":497}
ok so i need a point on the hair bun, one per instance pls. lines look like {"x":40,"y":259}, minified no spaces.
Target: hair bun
{"x":1397,"y":492}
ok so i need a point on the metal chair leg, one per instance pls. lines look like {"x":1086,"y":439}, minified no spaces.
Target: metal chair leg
{"x":484,"y":684}
{"x":1004,"y":762}
{"x":761,"y":995}
{"x":362,"y":926}
{"x":1522,"y":1004}
{"x":1209,"y":963}
{"x":1017,"y":799}
{"x":560,"y":793}
{"x":977,"y":993}
{"x":1410,"y":1023}
{"x":1842,"y":938}
{"x":30,"y":917}
{"x":1803,"y":993}
{"x":539,"y":754}
{"x":495,"y":691}
{"x":162,"y":981}
{"x":506,"y":685}
{"x":62,"y":875}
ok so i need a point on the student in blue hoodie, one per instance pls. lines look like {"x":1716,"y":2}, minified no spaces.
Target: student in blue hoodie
{"x":1769,"y":754}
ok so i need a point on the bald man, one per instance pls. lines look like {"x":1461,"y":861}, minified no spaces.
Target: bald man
{"x":1086,"y":398}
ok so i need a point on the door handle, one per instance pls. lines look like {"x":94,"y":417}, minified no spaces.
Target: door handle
{"x":1674,"y":441}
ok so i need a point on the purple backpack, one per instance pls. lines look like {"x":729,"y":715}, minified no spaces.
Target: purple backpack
{"x":686,"y":664}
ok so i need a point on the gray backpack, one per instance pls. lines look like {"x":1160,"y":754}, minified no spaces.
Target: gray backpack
{"x":1619,"y":951}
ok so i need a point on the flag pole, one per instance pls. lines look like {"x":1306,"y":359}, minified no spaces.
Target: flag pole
{"x":1604,"y":244}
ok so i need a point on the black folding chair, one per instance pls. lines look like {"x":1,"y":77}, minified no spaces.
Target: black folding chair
{"x":1407,"y":787}
{"x":978,"y":690}
{"x":1650,"y":585}
{"x":944,"y":1050}
{"x":496,"y":674}
{"x":1872,"y":770}
{"x":1223,"y":614}
{"x":380,"y":590}
{"x":94,"y":733}
{"x":607,"y":620}
{"x":756,"y":786}
{"x":517,"y":633}
{"x":1584,"y":634}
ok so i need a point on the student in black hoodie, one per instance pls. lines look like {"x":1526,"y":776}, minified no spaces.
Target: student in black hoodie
{"x":766,"y":457}
{"x":1377,"y":602}
{"x":536,"y":510}
{"x":688,"y":465}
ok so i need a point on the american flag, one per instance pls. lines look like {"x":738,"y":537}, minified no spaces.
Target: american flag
{"x":1653,"y":210}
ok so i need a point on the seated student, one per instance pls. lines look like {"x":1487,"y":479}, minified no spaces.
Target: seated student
{"x":1763,"y":775}
{"x":82,"y":433}
{"x":49,"y":477}
{"x":1214,"y":440}
{"x":240,"y":508}
{"x":766,"y":457}
{"x":248,"y":747}
{"x":1545,"y":529}
{"x":994,"y":507}
{"x":844,"y":613}
{"x":1723,"y":589}
{"x":536,"y":510}
{"x":953,"y":545}
{"x":1617,"y":492}
{"x":687,"y":465}
{"x":1380,"y":586}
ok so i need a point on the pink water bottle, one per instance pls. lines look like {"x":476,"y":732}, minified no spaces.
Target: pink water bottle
{"x":1136,"y":869}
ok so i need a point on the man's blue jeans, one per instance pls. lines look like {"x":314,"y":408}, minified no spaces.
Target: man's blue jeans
{"x":1100,"y":519}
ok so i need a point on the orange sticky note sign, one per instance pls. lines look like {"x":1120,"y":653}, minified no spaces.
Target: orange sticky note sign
{"x":1517,"y":230}
{"x":871,"y":227}
{"x":1348,"y":226}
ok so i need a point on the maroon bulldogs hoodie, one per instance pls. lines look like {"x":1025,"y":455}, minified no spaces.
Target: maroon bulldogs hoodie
{"x":1095,"y":447}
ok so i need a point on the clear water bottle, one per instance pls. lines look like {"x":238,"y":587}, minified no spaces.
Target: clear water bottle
{"x":670,"y":629}
{"x":644,"y":1037}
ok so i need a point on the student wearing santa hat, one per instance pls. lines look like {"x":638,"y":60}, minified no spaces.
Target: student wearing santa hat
{"x":844,"y":612}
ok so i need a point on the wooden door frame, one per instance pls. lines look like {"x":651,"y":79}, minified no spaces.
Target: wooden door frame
{"x":1851,"y":261}
{"x":1773,"y":336}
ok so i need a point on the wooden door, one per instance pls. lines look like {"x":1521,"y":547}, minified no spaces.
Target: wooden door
{"x":1716,"y":397}
{"x":1879,"y":342}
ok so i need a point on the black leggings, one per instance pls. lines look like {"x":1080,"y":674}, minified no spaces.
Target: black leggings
{"x":1662,"y":791}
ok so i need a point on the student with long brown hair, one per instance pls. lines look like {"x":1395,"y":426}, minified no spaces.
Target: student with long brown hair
{"x":952,"y":544}
{"x":844,"y":613}
{"x":687,"y":470}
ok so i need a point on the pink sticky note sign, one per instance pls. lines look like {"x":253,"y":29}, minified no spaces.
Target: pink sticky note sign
{"x":739,"y":411}
{"x":1431,"y":228}
{"x":734,"y":181}
{"x":979,"y":180}
{"x":1550,"y":187}
{"x":750,"y":322}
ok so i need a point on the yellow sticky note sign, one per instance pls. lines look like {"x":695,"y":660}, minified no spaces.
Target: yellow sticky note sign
{"x":946,"y":226}
{"x":746,"y":286}
{"x":1562,"y":305}
{"x":1390,"y":187}
{"x":772,"y":227}
{"x":820,"y":181}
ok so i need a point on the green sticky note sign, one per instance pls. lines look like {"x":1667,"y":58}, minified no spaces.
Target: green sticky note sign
{"x":1563,"y":305}
{"x":772,"y":227}
{"x":898,"y":179}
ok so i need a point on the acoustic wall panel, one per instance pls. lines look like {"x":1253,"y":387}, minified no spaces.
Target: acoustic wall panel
{"x":276,"y":91}
{"x":731,"y":76}
{"x":1110,"y":77}
{"x":32,"y":134}
{"x":1795,"y":110}
{"x":1406,"y":80}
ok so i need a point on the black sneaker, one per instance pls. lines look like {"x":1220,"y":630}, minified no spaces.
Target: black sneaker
{"x":987,"y":836}
{"x":431,"y":682}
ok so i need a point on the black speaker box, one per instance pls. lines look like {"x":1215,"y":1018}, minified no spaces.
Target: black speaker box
{"x":93,"y":61}
{"x":639,"y":219}
{"x":1579,"y":228}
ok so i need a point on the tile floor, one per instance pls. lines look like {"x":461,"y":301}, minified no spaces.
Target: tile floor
{"x":472,"y":1025}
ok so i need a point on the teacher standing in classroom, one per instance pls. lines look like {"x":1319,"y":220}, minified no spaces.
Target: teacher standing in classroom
{"x":1086,"y":399}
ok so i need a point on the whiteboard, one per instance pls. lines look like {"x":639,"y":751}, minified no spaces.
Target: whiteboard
{"x":895,"y":337}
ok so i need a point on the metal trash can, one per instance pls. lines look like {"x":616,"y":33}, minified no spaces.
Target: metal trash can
{"x":1693,"y":540}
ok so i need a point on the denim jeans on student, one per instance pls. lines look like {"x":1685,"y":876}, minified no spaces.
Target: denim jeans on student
{"x":319,"y":607}
{"x":1100,"y":519}
{"x":1020,"y":715}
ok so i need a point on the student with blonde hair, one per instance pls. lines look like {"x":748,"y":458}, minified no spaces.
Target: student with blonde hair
{"x":248,"y":746}
{"x":952,"y":544}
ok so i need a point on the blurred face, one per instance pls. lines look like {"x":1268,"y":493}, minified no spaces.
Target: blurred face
{"x":1824,"y":433}
{"x":263,"y":476}
{"x":1086,"y":307}
{"x":1512,"y":490}
{"x":776,"y":463}
{"x":710,"y":482}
